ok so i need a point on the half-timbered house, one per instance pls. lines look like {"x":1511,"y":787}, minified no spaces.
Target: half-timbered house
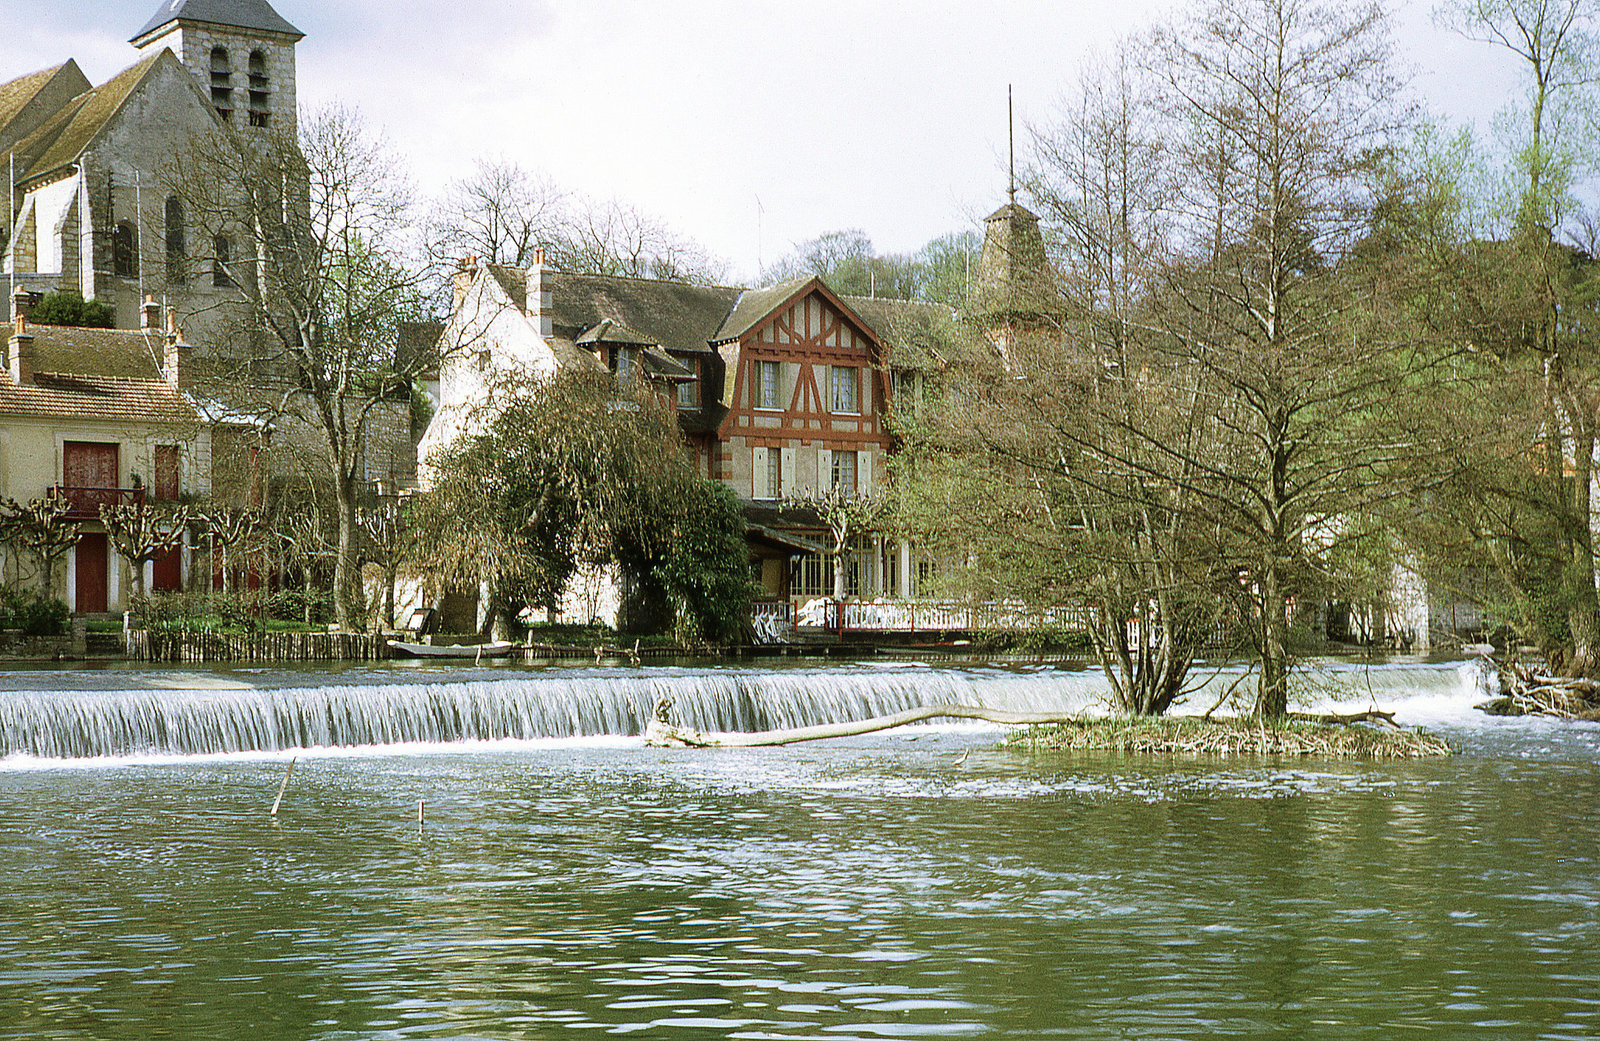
{"x":779,"y":391}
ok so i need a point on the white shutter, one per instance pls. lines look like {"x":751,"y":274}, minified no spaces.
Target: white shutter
{"x":864,"y":473}
{"x":788,"y":462}
{"x":758,"y":475}
{"x":824,"y":470}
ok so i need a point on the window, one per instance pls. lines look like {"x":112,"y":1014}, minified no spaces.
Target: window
{"x":689,"y":391}
{"x":177,"y":248}
{"x":774,"y":474}
{"x":125,"y":251}
{"x":260,"y":96}
{"x":626,"y":363}
{"x":222,"y":83}
{"x":844,"y":471}
{"x":846,"y":388}
{"x":766,"y":385}
{"x":166,"y":483}
{"x":222,"y":251}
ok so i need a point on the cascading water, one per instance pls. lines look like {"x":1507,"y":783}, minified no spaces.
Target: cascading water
{"x":43,"y":720}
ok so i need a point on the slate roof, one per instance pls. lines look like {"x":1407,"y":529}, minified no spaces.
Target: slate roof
{"x":61,"y":140}
{"x":240,"y":14}
{"x":54,"y":395}
{"x":673,"y":315}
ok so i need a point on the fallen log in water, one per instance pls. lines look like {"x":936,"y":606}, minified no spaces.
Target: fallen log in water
{"x":661,"y":731}
{"x":1331,"y":735}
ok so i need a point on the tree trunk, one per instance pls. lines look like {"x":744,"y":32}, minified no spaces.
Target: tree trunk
{"x":1273,"y":699}
{"x":347,"y":596}
{"x":1583,"y":605}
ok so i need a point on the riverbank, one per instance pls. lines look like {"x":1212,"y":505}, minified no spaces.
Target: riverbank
{"x":1190,"y":735}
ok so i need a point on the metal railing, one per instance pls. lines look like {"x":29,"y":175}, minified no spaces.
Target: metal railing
{"x":83,"y":503}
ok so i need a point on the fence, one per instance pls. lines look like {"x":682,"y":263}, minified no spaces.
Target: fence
{"x":145,"y":645}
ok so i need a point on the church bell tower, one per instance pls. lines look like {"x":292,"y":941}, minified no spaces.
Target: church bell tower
{"x":241,"y":51}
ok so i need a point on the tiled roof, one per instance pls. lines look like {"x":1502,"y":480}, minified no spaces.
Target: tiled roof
{"x":62,"y":140}
{"x":69,"y":396}
{"x":121,"y":353}
{"x":241,"y":14}
{"x":28,"y":101}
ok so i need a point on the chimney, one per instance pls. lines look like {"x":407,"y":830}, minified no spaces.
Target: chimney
{"x":21,"y":303}
{"x":21,"y":353}
{"x":466,"y":268}
{"x":175,"y":361}
{"x":540,"y":308}
{"x":151,"y":322}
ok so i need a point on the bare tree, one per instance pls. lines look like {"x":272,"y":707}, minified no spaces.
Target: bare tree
{"x":847,"y":515}
{"x":502,"y":213}
{"x":310,"y":235}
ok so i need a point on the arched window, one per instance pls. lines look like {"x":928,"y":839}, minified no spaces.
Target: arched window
{"x":222,"y":254}
{"x":260,"y":91}
{"x":177,"y":248}
{"x":222,"y":82}
{"x":125,"y":250}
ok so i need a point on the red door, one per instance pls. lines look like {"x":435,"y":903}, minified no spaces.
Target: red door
{"x":92,"y":467}
{"x":167,"y":572}
{"x":91,"y":572}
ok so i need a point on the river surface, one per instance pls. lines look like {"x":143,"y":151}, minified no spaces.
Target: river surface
{"x":920,"y":883}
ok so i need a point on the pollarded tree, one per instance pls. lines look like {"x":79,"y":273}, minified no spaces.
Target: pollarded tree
{"x":44,"y":527}
{"x":141,"y":532}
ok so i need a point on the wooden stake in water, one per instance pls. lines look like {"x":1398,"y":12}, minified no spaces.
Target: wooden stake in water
{"x":419,"y":813}
{"x":283,"y":788}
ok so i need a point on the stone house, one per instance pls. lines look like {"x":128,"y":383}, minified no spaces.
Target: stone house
{"x":97,"y":416}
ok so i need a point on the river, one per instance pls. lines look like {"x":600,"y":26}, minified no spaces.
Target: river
{"x":564,"y":880}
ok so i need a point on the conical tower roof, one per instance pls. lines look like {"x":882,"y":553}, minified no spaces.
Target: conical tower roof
{"x":1013,"y":269}
{"x":256,"y":15}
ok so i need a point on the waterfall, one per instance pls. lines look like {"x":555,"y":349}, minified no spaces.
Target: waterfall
{"x":391,"y":708}
{"x":577,"y":703}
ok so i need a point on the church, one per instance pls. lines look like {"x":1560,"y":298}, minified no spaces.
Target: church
{"x":88,"y":165}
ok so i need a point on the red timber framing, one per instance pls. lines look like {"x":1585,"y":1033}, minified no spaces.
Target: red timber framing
{"x":808,"y":334}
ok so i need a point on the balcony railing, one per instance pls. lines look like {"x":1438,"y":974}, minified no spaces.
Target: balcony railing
{"x":84,"y":503}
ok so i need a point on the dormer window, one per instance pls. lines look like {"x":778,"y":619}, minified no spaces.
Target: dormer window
{"x":260,"y":91}
{"x":222,"y":83}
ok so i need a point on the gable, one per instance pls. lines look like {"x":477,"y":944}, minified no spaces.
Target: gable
{"x":64,"y":138}
{"x":817,"y":323}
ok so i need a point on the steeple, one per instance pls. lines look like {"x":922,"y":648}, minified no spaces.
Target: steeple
{"x":241,"y":51}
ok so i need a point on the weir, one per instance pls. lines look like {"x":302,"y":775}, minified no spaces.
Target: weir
{"x":394,"y":708}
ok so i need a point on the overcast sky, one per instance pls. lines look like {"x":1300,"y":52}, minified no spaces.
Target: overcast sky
{"x":746,"y":125}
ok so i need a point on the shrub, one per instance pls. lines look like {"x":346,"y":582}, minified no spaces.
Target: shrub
{"x":68,"y":307}
{"x":33,"y":612}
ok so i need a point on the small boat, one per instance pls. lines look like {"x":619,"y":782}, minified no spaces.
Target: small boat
{"x":497,"y":649}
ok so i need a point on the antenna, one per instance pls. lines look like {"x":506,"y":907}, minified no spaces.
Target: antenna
{"x":1011,"y":140}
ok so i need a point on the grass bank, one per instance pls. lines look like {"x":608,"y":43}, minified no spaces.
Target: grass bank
{"x":1189,"y":735}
